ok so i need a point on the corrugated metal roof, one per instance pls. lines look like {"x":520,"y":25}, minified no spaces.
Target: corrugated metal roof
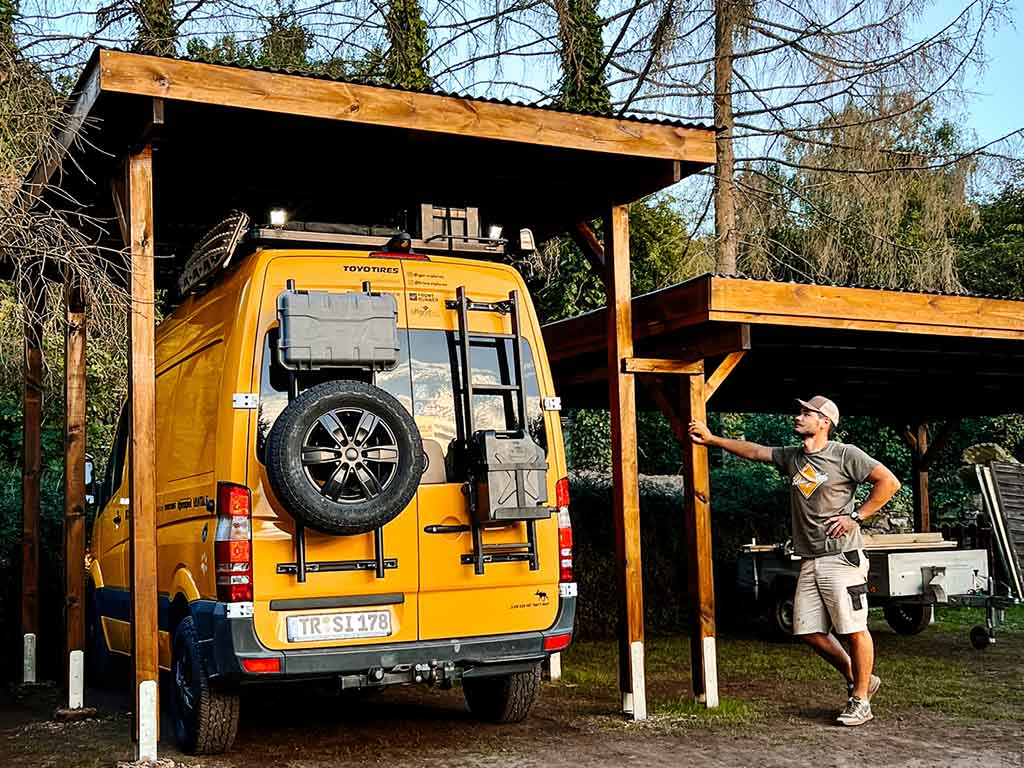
{"x":431,"y":92}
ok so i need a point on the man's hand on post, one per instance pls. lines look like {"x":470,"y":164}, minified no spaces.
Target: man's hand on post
{"x":699,"y":432}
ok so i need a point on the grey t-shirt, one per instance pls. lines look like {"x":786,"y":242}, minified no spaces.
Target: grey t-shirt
{"x":822,"y":485}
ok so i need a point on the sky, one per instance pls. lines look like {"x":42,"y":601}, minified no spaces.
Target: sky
{"x":997,"y":108}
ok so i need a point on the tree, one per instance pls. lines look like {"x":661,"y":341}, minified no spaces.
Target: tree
{"x":991,"y":255}
{"x":157,"y":30}
{"x":404,"y":62}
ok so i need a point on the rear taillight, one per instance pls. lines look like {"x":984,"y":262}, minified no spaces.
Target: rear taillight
{"x":564,"y":531}
{"x":232,"y":549}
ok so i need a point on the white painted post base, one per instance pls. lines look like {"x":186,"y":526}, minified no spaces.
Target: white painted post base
{"x":29,"y":659}
{"x":147,"y":721}
{"x":710,"y":673}
{"x":76,"y":680}
{"x":636,"y":656}
{"x":627,"y":703}
{"x":555,"y":666}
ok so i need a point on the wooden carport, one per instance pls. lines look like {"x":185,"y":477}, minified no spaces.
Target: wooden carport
{"x":170,"y":145}
{"x":910,"y":359}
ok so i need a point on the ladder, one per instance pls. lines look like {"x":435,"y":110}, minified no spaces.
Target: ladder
{"x":507,"y":552}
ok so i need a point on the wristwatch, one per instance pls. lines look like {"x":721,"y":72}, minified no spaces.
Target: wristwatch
{"x":855,"y":514}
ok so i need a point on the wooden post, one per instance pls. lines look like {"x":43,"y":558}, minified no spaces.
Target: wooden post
{"x":142,"y":477}
{"x":625,"y":482}
{"x":697,"y":524}
{"x":32,"y":410}
{"x":922,"y":508}
{"x":74,"y":464}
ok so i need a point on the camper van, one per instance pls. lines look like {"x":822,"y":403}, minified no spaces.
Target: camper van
{"x":360,"y":477}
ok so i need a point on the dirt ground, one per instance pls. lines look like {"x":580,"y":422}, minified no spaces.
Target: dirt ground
{"x":942,"y":704}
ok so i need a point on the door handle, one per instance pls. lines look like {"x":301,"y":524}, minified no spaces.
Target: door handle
{"x":447,"y":529}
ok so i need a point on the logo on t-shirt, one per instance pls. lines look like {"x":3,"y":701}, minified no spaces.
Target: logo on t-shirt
{"x":808,"y":480}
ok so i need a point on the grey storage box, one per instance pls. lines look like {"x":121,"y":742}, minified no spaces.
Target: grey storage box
{"x":321,"y":329}
{"x":509,"y":479}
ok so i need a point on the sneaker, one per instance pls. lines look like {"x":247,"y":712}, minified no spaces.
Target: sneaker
{"x":873,"y":685}
{"x":857,"y":712}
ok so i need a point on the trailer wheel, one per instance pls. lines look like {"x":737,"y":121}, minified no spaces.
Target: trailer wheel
{"x":908,"y":618}
{"x":780,"y":610}
{"x":980,"y":638}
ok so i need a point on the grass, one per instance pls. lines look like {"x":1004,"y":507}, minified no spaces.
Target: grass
{"x":936,"y":672}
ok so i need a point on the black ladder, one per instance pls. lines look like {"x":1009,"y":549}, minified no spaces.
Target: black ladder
{"x":507,"y":552}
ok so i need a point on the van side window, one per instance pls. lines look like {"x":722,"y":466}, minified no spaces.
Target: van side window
{"x":115,"y":460}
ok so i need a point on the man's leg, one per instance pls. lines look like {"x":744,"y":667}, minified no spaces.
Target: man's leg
{"x":827,"y":646}
{"x":862,"y":649}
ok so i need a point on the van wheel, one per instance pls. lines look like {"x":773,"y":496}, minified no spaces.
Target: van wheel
{"x":344,"y":457}
{"x":505,"y":699}
{"x":205,"y":720}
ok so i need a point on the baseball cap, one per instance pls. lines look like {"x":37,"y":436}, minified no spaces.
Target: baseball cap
{"x":822,"y":405}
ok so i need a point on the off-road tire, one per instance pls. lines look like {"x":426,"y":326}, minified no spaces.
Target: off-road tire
{"x":301,"y":498}
{"x":505,"y":699}
{"x":908,"y":618}
{"x":210,"y":726}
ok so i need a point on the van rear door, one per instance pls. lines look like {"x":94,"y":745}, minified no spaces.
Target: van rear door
{"x":335,"y":582}
{"x":508,"y":597}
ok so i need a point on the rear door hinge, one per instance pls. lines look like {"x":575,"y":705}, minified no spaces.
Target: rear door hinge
{"x":245,"y":400}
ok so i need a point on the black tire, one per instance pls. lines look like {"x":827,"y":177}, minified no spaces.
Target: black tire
{"x":205,"y":720}
{"x":380,"y":477}
{"x":980,"y":638}
{"x":505,"y":699}
{"x":780,"y":611}
{"x":908,"y":618}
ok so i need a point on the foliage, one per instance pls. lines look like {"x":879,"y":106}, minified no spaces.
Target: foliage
{"x":583,"y":85}
{"x":407,"y":35}
{"x":991,"y":256}
{"x":157,"y":28}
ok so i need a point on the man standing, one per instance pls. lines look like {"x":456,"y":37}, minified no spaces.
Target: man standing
{"x":831,"y":593}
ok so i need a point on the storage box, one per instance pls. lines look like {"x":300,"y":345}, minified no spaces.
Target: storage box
{"x":322,"y":329}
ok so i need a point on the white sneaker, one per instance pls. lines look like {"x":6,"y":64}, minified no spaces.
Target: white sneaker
{"x":873,"y":685}
{"x":857,"y":712}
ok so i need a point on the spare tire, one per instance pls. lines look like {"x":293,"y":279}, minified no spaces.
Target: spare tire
{"x":344,"y":457}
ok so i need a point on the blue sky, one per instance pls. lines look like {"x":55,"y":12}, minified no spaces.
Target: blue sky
{"x":998,"y":106}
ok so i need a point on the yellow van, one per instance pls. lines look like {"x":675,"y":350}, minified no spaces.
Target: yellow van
{"x":360,"y":478}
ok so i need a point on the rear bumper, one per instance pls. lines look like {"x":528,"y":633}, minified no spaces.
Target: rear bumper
{"x":228,"y":642}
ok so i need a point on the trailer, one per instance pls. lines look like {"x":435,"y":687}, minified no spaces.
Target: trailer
{"x":908,"y":575}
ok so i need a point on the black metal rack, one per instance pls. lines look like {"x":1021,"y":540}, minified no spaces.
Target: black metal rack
{"x":506,"y":552}
{"x":301,"y":567}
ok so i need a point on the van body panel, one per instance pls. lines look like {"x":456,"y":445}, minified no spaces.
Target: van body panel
{"x":217,"y":344}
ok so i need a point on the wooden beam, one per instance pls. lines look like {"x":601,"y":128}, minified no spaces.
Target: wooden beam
{"x":661,"y":365}
{"x":32,"y":402}
{"x":118,"y":182}
{"x":74,"y":463}
{"x":697,"y":525}
{"x":866,"y":309}
{"x":939,"y":442}
{"x":722,"y":373}
{"x":588,"y":243}
{"x":657,"y":388}
{"x":922,"y":508}
{"x":142,"y":477}
{"x":625,"y":481}
{"x":311,"y":97}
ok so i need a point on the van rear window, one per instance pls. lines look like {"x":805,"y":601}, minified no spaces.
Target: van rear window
{"x":427,"y":381}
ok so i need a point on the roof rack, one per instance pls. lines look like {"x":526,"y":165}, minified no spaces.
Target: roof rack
{"x":440,"y":244}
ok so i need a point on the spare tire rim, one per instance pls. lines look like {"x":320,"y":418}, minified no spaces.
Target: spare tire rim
{"x":350,"y":455}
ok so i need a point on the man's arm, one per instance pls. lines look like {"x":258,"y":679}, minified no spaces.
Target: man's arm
{"x":701,"y":435}
{"x":883,"y":487}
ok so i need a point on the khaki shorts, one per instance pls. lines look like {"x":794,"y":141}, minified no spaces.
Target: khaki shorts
{"x":831,"y":594}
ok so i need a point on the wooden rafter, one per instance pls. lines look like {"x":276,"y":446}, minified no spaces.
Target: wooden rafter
{"x":661,"y":365}
{"x":721,"y":373}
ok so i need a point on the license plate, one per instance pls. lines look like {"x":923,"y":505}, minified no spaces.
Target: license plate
{"x":339,"y":626}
